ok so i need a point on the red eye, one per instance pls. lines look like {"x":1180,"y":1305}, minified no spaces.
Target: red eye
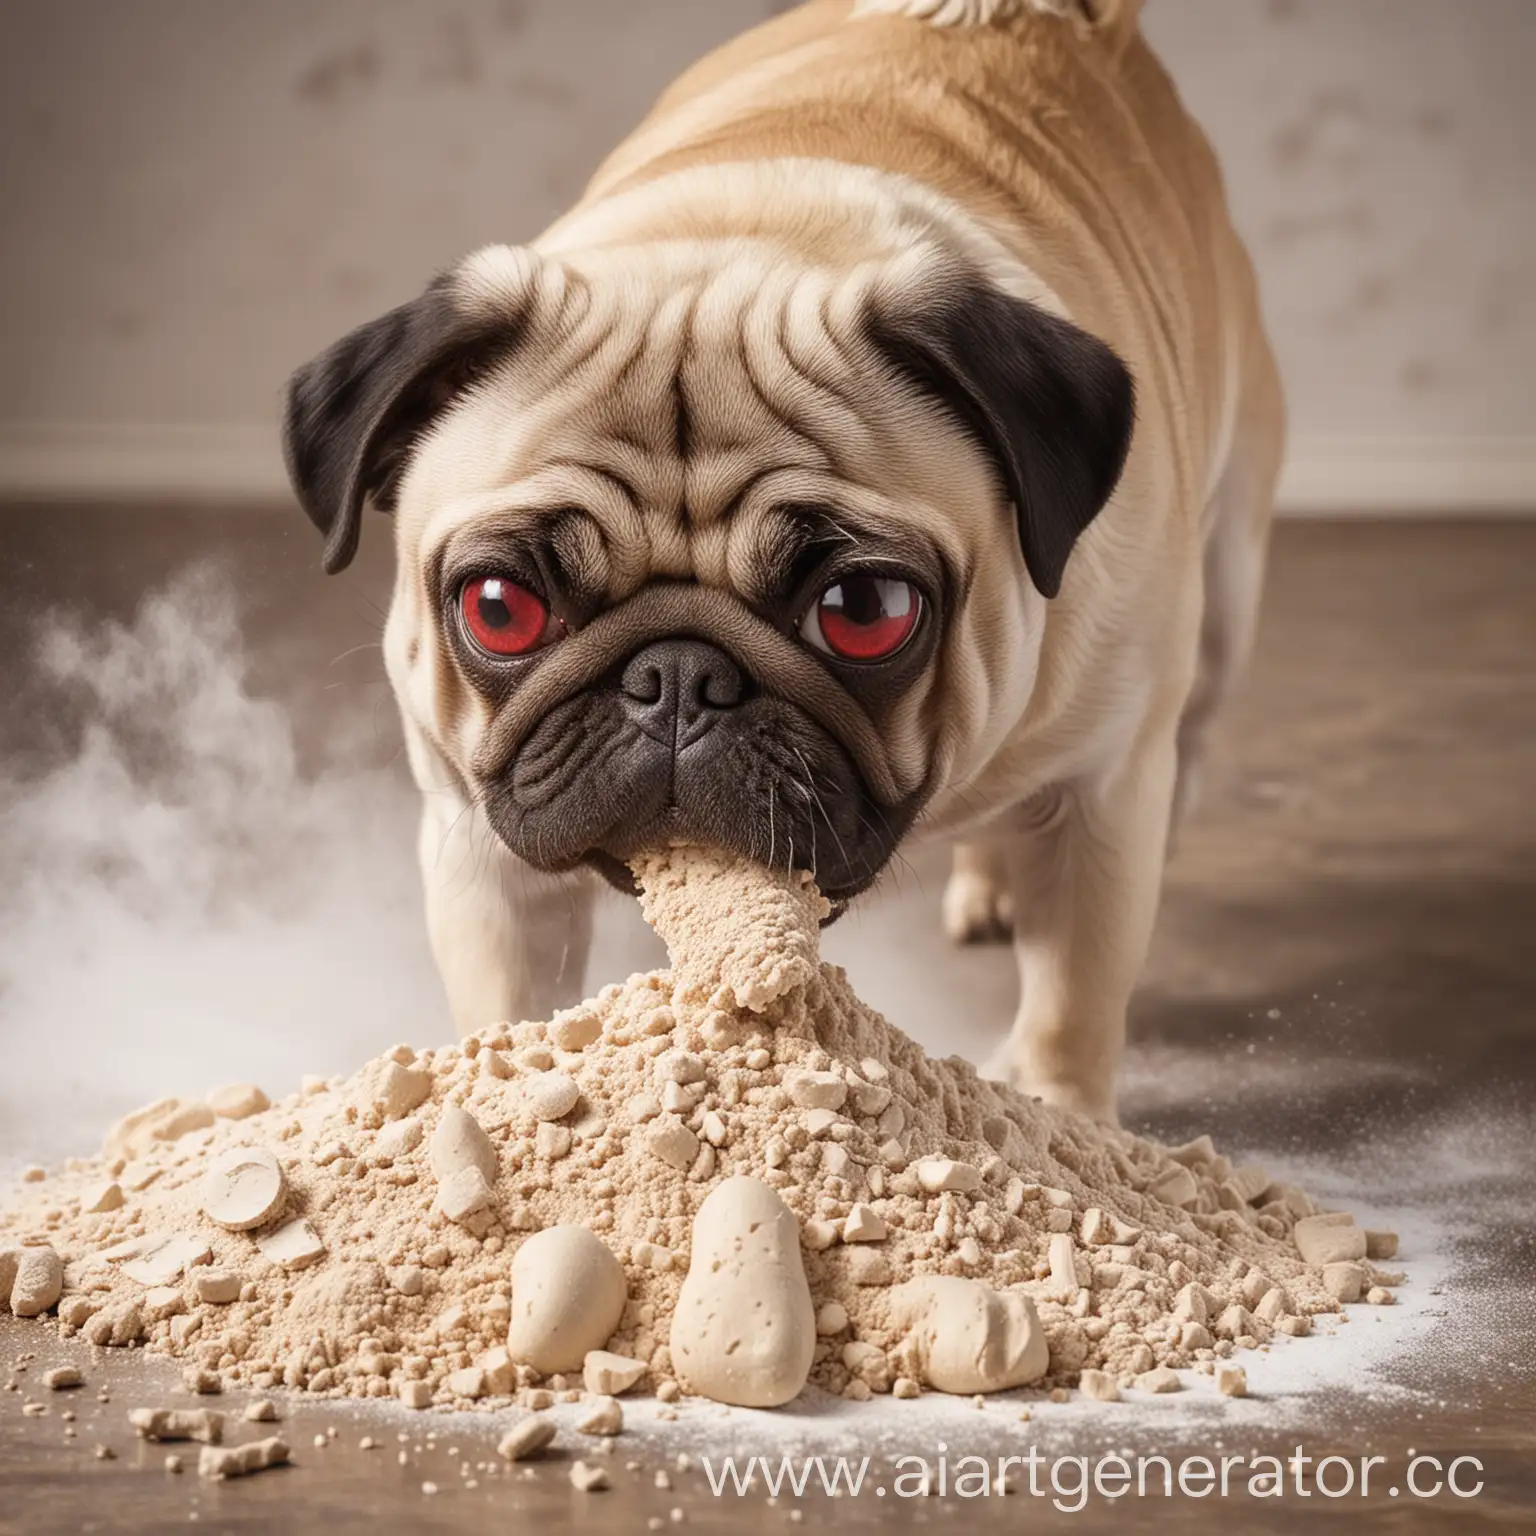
{"x":506,"y":619}
{"x":863,"y":618}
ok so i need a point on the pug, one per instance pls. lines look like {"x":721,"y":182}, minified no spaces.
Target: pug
{"x":883,"y":446}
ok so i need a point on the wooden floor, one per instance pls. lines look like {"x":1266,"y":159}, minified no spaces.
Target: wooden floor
{"x":1344,"y":976}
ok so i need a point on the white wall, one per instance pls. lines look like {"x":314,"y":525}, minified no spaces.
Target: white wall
{"x":197,"y":194}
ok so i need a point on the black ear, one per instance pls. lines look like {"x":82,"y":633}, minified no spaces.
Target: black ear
{"x":1052,"y":405}
{"x":355,"y":412}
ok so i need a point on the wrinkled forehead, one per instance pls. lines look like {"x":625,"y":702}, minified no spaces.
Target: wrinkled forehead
{"x":679,"y":417}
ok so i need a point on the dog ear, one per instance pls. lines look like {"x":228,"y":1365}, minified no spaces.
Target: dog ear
{"x":355,"y":412}
{"x":1052,"y":405}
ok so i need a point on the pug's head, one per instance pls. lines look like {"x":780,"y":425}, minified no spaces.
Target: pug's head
{"x":697,"y":543}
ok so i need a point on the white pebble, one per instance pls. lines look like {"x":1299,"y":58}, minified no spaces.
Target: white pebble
{"x":568,"y":1292}
{"x":968,"y":1337}
{"x":744,"y":1330}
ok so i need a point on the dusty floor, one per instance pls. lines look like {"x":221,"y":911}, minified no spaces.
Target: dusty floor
{"x":1343,"y":983}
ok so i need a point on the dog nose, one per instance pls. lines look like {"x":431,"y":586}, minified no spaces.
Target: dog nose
{"x":674,"y":688}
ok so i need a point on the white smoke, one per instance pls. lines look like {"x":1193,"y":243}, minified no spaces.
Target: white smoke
{"x":183,"y":902}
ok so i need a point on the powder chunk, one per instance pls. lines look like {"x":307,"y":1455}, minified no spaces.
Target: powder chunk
{"x":161,"y":1261}
{"x":1345,"y":1281}
{"x":105,"y":1196}
{"x":568,"y":1293}
{"x":1063,"y":1261}
{"x":941,"y":1173}
{"x":576,"y":1030}
{"x":744,"y":1331}
{"x":1159,"y":1380}
{"x":217,"y":1286}
{"x":587,"y":1477}
{"x":393,"y":1091}
{"x":459,"y":1142}
{"x":605,"y":1374}
{"x":864,"y":1225}
{"x":202,"y":1424}
{"x":243,"y":1188}
{"x":1175,"y":1187}
{"x":464,"y":1196}
{"x":1322,"y":1240}
{"x":1100,"y":1386}
{"x":241,"y":1460}
{"x":163,"y":1121}
{"x":397,"y":1138}
{"x":680,"y":1067}
{"x":1231,"y":1381}
{"x":550,"y":1095}
{"x":528,"y":1437}
{"x":293,"y":1245}
{"x":238,"y":1101}
{"x":968,"y":1337}
{"x":831,"y":1318}
{"x":37,"y":1281}
{"x":605,"y":1417}
{"x":816,"y":1090}
{"x":672,"y":1142}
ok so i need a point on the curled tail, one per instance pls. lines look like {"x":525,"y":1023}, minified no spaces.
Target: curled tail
{"x":1113,"y":20}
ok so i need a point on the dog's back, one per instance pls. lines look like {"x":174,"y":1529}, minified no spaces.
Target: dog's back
{"x":1067,"y":140}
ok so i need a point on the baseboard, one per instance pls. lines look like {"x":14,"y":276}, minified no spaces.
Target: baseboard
{"x":1409,"y":476}
{"x":64,"y":461}
{"x":1351,"y":476}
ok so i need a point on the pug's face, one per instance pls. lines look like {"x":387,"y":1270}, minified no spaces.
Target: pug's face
{"x":701,"y":544}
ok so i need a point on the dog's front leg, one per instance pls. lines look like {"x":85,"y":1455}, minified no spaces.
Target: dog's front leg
{"x":510,"y":942}
{"x":1085,"y":873}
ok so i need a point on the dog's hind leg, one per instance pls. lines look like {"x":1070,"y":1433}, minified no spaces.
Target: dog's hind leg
{"x":978,"y":902}
{"x":1085,"y":872}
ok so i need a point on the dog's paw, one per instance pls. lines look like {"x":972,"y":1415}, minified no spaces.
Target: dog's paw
{"x":1005,"y":1066}
{"x":976,"y":909}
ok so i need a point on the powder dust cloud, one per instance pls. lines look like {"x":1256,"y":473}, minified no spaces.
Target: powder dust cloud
{"x":183,"y":900}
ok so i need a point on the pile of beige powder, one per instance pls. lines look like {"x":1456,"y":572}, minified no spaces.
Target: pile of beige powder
{"x":728,"y":1178}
